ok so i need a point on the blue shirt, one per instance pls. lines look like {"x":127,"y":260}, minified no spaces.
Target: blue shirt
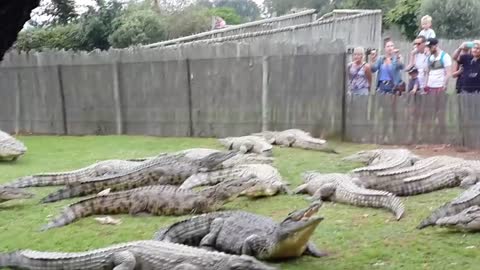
{"x":395,"y":66}
{"x":412,"y":83}
{"x":385,"y":71}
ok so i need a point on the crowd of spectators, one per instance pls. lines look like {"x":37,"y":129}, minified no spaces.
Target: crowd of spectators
{"x":429,"y":67}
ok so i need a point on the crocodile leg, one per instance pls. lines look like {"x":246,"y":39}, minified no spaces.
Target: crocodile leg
{"x":300,"y":189}
{"x":139,"y":205}
{"x":186,"y":266}
{"x":124,"y":260}
{"x":245,"y":148}
{"x":313,"y":251}
{"x":325,"y":192}
{"x":250,"y":247}
{"x":468,"y":181}
{"x":209,"y":240}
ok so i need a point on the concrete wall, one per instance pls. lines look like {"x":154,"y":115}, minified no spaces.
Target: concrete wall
{"x":222,"y":89}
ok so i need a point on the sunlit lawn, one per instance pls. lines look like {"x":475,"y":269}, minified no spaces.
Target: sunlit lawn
{"x":356,"y":238}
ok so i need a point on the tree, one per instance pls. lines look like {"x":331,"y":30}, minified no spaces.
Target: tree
{"x":384,"y":5}
{"x":168,"y":6}
{"x":142,"y":26}
{"x":245,"y":8}
{"x":281,"y":7}
{"x":56,"y":12}
{"x":97,"y":25}
{"x":204,"y":3}
{"x":454,"y":19}
{"x":66,"y":37}
{"x":191,"y":20}
{"x":405,"y":14}
{"x":228,"y":14}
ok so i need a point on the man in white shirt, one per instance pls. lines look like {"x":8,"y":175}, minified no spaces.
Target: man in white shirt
{"x":439,"y":71}
{"x":419,"y":59}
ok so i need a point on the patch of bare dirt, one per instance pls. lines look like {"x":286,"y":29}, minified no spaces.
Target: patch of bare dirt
{"x":428,"y":150}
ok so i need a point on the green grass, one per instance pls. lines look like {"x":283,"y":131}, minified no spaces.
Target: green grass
{"x":356,"y":238}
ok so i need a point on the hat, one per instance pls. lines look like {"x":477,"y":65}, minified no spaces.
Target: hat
{"x":432,"y":42}
{"x":412,"y":70}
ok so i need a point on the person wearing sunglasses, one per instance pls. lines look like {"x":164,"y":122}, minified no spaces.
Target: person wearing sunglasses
{"x":419,"y":60}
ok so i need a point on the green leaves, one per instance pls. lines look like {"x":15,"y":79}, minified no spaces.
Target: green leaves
{"x":405,"y":14}
{"x":454,"y":19}
{"x":137,"y":27}
{"x":246,"y":10}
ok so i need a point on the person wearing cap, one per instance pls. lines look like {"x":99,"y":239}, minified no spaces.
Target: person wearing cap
{"x":439,"y":68}
{"x":470,"y":66}
{"x":413,"y":83}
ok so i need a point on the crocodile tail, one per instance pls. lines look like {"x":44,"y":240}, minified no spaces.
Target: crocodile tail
{"x":350,"y":193}
{"x":43,"y":180}
{"x":69,"y":192}
{"x":113,"y":203}
{"x":395,"y":205}
{"x":314,"y":144}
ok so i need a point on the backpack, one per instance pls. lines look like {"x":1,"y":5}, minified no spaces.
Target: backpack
{"x":442,"y":55}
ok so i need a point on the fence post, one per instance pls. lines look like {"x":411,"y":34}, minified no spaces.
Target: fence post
{"x":18,"y":104}
{"x":265,"y":105}
{"x":461,"y":120}
{"x":189,"y":97}
{"x":344,"y":97}
{"x":62,"y":98}
{"x":334,"y":27}
{"x":116,"y":99}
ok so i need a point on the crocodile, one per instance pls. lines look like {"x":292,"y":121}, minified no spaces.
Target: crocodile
{"x":248,"y":144}
{"x":155,"y":200}
{"x":269,"y":183}
{"x":10,"y":148}
{"x":377,"y":156}
{"x":135,"y":255}
{"x":295,"y":138}
{"x":339,"y":187}
{"x":98,"y":169}
{"x":400,"y":159}
{"x":165,"y":169}
{"x":239,"y":159}
{"x":468,"y":219}
{"x":468,"y":198}
{"x":448,"y":176}
{"x":420,"y":167}
{"x":240,"y":232}
{"x":8,"y":193}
